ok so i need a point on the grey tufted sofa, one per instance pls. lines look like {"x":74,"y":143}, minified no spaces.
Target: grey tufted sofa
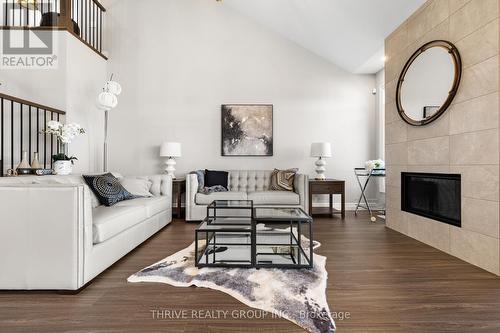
{"x":246,"y":185}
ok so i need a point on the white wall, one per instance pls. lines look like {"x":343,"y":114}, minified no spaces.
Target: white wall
{"x":192,"y":56}
{"x":72,"y":87}
{"x":86,"y":75}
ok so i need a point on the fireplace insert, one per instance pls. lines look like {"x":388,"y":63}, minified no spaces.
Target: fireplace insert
{"x":433,"y":195}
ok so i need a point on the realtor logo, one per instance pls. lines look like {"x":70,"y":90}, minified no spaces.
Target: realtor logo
{"x":27,"y":42}
{"x":23,"y":45}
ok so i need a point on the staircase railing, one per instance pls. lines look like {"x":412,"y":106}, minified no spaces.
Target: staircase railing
{"x":21,"y":126}
{"x":82,"y":18}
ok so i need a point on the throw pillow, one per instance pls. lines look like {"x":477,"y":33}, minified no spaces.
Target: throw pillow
{"x":282,"y":180}
{"x":137,"y":186}
{"x":213,"y":178}
{"x":200,"y":175}
{"x":108,"y":189}
{"x":94,"y":200}
{"x":213,"y":189}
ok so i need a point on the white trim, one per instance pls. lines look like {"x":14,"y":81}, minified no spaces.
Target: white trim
{"x":348,"y":205}
{"x":336,"y":205}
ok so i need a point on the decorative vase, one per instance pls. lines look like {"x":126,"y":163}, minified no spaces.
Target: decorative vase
{"x":35,"y":164}
{"x":24,"y":167}
{"x":62,"y":168}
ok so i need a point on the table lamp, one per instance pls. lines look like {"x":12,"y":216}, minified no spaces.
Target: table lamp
{"x":170,"y":150}
{"x":321,"y":150}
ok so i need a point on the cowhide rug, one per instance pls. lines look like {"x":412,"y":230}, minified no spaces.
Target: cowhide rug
{"x":294,"y":294}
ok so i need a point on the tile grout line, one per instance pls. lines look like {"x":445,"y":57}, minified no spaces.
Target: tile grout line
{"x":462,"y":6}
{"x":473,"y":98}
{"x":480,"y":233}
{"x":476,"y":30}
{"x":479,"y":62}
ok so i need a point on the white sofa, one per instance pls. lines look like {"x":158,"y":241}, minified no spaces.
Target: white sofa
{"x":54,"y":235}
{"x":246,"y":185}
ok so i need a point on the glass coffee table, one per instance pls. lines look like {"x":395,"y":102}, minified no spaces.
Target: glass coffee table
{"x":236,"y":234}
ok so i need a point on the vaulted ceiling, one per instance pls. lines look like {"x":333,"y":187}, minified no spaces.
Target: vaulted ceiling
{"x":349,"y":33}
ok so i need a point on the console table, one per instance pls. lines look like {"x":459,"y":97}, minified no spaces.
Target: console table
{"x":330,"y":187}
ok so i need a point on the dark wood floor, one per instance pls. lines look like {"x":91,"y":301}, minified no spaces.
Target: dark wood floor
{"x":386,"y":281}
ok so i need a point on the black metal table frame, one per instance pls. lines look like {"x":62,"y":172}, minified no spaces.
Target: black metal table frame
{"x":252,"y":233}
{"x":298,"y":241}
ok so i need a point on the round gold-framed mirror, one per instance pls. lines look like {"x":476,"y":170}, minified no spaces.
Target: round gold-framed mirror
{"x":428,"y":82}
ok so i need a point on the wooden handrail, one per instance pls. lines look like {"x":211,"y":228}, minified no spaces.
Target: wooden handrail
{"x":98,"y":4}
{"x":89,"y":46}
{"x":65,"y":19}
{"x":32,"y":104}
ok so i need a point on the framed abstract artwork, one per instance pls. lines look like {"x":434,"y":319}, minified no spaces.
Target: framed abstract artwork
{"x":247,"y":130}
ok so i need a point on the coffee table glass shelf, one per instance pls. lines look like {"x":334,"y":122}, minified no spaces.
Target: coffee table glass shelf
{"x":236,"y":234}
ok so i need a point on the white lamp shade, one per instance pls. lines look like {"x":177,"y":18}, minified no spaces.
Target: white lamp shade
{"x":106,"y":101}
{"x":170,"y":149}
{"x":321,"y":149}
{"x":114,"y":87}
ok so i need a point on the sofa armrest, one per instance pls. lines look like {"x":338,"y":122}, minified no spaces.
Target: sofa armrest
{"x":301,"y":186}
{"x":166,"y":185}
{"x":191,"y":190}
{"x":43,"y":236}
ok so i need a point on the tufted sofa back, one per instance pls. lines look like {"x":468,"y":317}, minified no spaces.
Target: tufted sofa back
{"x":249,"y":180}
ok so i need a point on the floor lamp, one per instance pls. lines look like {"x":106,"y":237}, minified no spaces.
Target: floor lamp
{"x":106,"y":101}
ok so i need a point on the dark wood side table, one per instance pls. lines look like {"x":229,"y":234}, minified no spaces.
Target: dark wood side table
{"x":330,"y":187}
{"x":178,"y":188}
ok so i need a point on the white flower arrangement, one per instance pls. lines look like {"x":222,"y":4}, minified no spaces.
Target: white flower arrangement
{"x":65,"y":134}
{"x":374,"y":164}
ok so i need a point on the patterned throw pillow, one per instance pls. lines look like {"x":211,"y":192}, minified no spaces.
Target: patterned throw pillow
{"x":108,"y":189}
{"x":213,"y":189}
{"x":282,"y":180}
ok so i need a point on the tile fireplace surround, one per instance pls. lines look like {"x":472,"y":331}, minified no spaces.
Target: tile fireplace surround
{"x":463,"y":141}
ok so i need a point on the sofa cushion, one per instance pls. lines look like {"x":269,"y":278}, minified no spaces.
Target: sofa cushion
{"x":153,"y":205}
{"x":274,"y":198}
{"x":110,"y":221}
{"x":140,"y":187}
{"x":205,"y":199}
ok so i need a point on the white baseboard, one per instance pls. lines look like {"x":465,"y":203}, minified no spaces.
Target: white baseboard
{"x":348,"y":205}
{"x":336,"y":205}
